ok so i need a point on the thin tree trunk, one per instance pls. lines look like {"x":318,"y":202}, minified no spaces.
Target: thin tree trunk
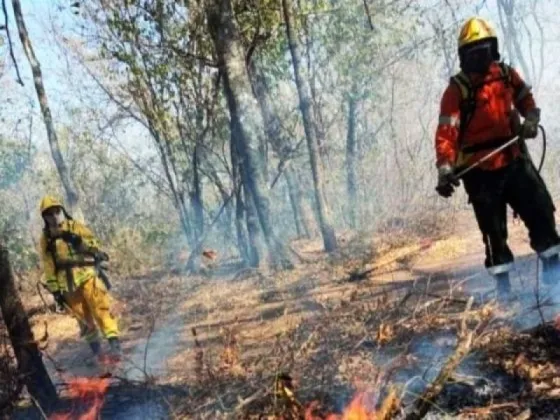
{"x":512,"y":40}
{"x":296,"y":203}
{"x":280,"y":144}
{"x":197,"y":203}
{"x":252,"y":221}
{"x":243,"y":244}
{"x":318,"y":121}
{"x":246,"y":215}
{"x":196,"y":196}
{"x":327,"y":230}
{"x":30,"y":362}
{"x":244,"y":111}
{"x":225,"y":194}
{"x":177,"y":194}
{"x":72,"y":196}
{"x":351,"y":174}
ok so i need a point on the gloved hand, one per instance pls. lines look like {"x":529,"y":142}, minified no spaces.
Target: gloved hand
{"x":60,"y":302}
{"x":71,"y":238}
{"x":446,"y":181}
{"x":530,"y":127}
{"x":100,"y":256}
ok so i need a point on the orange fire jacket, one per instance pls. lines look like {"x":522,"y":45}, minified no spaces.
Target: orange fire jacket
{"x":495,"y":97}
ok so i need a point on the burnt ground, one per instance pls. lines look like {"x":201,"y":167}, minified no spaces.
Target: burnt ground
{"x":380,"y":315}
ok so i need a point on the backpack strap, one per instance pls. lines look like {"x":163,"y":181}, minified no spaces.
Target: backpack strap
{"x":468,"y":102}
{"x":505,"y":72}
{"x":468,"y":95}
{"x":59,"y":265}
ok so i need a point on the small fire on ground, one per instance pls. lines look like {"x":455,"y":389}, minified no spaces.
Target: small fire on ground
{"x":361,"y":408}
{"x":88,"y":396}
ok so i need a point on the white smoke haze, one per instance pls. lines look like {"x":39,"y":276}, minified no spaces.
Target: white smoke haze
{"x":402,"y":65}
{"x":146,"y":127}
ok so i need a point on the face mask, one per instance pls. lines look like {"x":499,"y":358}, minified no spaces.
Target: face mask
{"x":477,"y":60}
{"x":59,"y":217}
{"x":55,"y":218}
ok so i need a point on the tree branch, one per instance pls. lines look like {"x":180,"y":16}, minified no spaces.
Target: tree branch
{"x":12,"y":55}
{"x":366,"y":7}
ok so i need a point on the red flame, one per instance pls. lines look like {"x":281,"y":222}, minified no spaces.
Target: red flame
{"x":356,"y":410}
{"x":87,"y":392}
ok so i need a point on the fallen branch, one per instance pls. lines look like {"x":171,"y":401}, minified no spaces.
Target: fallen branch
{"x":357,"y":275}
{"x":246,"y":401}
{"x":447,"y":298}
{"x":486,"y":411}
{"x":428,"y":397}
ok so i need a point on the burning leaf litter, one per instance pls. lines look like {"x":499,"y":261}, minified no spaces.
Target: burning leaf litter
{"x":87,"y":395}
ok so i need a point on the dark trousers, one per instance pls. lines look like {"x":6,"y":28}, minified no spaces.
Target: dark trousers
{"x":519,"y":185}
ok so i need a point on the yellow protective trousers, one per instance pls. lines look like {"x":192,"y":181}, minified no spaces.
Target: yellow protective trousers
{"x":91,"y":305}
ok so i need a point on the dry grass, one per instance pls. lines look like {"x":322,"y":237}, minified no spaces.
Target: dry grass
{"x":307,"y":325}
{"x":299,"y":342}
{"x":321,"y":355}
{"x":302,"y":343}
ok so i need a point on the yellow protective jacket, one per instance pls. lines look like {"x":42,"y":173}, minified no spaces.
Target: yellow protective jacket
{"x":56,"y":254}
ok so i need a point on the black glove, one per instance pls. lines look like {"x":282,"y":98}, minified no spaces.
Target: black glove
{"x":100,"y":256}
{"x":71,"y":238}
{"x":60,"y":302}
{"x":446,"y":181}
{"x":530,"y":127}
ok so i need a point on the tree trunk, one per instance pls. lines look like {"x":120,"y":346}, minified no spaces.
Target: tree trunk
{"x":244,"y":111}
{"x":245,"y":213}
{"x":252,"y":221}
{"x":170,"y":175}
{"x":196,"y":196}
{"x":280,"y":145}
{"x":327,"y":230}
{"x":318,"y":121}
{"x":242,"y":243}
{"x":351,"y":175}
{"x":512,"y":40}
{"x":30,"y":362}
{"x":72,"y":195}
{"x":296,"y":203}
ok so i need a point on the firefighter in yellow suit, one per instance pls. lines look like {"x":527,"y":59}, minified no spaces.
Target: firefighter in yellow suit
{"x":69,"y":252}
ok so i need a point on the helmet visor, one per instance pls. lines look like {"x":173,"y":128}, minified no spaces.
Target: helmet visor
{"x":477,"y":59}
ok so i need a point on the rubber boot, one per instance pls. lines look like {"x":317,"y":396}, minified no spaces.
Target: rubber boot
{"x":95,"y":347}
{"x":503,"y":287}
{"x":115,"y":348}
{"x":551,"y":270}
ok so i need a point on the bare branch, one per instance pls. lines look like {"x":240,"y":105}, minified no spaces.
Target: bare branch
{"x":12,"y":55}
{"x":366,"y":7}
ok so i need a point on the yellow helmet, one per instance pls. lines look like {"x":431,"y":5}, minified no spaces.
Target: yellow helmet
{"x":474,"y":30}
{"x":49,"y":202}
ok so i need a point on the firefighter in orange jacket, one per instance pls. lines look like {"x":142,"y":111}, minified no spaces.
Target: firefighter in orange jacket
{"x":480,"y":112}
{"x":69,"y":251}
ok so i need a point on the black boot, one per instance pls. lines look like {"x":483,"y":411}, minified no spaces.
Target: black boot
{"x":95,"y":347}
{"x":551,"y":270}
{"x":503,"y":287}
{"x":115,"y":347}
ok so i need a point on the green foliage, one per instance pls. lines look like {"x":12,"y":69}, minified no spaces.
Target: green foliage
{"x":14,"y":160}
{"x":357,"y":52}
